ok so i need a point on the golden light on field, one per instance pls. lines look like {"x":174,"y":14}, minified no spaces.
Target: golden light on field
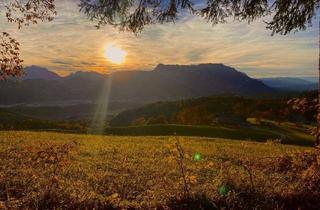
{"x":115,"y":54}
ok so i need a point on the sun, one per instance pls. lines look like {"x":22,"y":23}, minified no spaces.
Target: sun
{"x":115,"y":54}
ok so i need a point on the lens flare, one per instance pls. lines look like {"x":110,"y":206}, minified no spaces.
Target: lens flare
{"x":223,"y":190}
{"x":197,"y":157}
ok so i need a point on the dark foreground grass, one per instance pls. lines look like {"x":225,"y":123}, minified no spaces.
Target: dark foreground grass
{"x":41,"y":170}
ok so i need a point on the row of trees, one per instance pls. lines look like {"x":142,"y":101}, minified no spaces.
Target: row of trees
{"x":228,"y":111}
{"x":37,"y":124}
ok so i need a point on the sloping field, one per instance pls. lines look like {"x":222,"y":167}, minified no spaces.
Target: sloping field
{"x":288,"y":133}
{"x":73,"y":171}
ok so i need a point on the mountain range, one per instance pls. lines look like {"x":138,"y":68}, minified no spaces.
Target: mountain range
{"x":164,"y":83}
{"x":291,"y":83}
{"x":37,"y":72}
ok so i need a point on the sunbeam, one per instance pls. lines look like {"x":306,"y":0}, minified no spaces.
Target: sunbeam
{"x":98,"y":122}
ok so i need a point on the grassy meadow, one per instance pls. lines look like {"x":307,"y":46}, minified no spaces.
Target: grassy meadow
{"x":289,"y":133}
{"x":46,"y":170}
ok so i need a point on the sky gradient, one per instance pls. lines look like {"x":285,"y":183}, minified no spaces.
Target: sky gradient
{"x":72,"y":43}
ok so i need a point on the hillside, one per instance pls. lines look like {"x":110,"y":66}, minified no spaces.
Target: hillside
{"x":37,"y":72}
{"x":67,"y":112}
{"x":165,"y":82}
{"x":220,"y":110}
{"x":69,"y":171}
{"x":287,"y":133}
{"x":291,"y":83}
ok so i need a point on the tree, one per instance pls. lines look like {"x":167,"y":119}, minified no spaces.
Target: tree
{"x":139,"y":121}
{"x":10,"y":62}
{"x":22,"y":13}
{"x":160,"y":119}
{"x":134,"y":15}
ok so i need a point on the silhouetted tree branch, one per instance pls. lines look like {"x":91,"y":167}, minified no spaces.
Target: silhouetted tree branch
{"x":10,"y":62}
{"x":134,"y":15}
{"x":22,"y":13}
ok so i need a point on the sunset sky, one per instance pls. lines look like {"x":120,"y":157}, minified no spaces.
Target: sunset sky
{"x":72,"y":43}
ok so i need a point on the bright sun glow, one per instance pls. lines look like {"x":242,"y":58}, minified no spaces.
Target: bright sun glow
{"x":115,"y":54}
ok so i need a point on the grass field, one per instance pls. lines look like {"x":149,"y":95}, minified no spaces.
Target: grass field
{"x":55,"y":171}
{"x":288,"y":132}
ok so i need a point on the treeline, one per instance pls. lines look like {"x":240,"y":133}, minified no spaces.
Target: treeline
{"x":220,"y":110}
{"x":214,"y":110}
{"x":14,"y":121}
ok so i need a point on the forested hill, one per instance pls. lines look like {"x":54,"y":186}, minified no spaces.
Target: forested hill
{"x":210,"y":111}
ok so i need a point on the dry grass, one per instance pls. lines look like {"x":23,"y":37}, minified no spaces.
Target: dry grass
{"x":42,"y":170}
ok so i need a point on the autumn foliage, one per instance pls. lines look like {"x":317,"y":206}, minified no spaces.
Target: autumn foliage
{"x":10,"y":62}
{"x":21,"y":13}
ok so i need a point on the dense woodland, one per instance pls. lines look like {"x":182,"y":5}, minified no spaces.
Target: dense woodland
{"x":211,"y":111}
{"x":224,"y":110}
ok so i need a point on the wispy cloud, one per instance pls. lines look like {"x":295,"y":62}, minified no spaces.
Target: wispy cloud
{"x":71,"y":43}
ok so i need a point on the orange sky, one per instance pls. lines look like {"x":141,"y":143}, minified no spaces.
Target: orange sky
{"x":71,"y":43}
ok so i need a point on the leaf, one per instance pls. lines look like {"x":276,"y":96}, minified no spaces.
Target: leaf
{"x":115,"y":196}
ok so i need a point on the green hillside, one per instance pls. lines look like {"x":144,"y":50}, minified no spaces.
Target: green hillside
{"x":12,"y":117}
{"x":287,"y":132}
{"x":249,"y":129}
{"x":223,"y":110}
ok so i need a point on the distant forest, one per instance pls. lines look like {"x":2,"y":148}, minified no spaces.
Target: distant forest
{"x":224,"y":110}
{"x":229,"y":111}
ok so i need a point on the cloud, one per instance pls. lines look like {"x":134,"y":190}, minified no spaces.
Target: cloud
{"x":72,"y":43}
{"x":62,"y":62}
{"x":88,"y":63}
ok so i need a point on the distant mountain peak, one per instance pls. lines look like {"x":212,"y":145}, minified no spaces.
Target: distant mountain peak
{"x":290,"y":83}
{"x":37,"y":72}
